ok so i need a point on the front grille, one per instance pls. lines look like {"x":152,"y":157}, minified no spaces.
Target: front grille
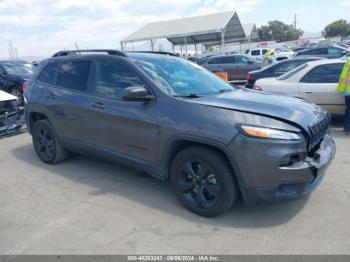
{"x":318,"y":131}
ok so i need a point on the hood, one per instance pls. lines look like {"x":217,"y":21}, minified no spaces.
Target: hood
{"x":294,"y":111}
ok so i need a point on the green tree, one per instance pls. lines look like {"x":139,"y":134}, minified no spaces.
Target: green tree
{"x":279,"y":31}
{"x":339,"y":28}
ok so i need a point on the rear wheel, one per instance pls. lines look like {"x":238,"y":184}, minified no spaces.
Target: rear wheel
{"x":203,"y":181}
{"x":46,"y":143}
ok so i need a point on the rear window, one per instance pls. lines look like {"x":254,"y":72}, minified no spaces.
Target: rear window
{"x":48,"y":73}
{"x":293,"y":72}
{"x":74,"y":75}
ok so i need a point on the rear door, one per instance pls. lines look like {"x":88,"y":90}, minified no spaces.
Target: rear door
{"x":319,"y":86}
{"x":127,"y":128}
{"x":68,"y":101}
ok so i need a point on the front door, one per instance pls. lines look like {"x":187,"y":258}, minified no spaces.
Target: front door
{"x":128,"y":128}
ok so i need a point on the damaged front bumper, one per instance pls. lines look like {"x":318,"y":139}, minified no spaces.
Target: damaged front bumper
{"x":11,"y":122}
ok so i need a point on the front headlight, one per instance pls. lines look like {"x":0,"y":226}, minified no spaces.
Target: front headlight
{"x":270,"y":133}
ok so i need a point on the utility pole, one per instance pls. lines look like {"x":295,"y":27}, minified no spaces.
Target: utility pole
{"x":295,"y":21}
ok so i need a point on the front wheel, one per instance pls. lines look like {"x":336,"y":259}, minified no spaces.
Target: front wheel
{"x":203,"y":181}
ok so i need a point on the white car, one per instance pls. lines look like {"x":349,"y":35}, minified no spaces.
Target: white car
{"x":316,"y":81}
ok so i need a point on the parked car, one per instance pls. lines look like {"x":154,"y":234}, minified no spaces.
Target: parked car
{"x":14,"y":76}
{"x":179,"y":122}
{"x":314,"y":81}
{"x":278,"y":69}
{"x":331,"y":51}
{"x":235,"y":66}
{"x":11,"y":115}
{"x":283,"y":54}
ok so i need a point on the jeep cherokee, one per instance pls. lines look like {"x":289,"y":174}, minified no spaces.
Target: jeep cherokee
{"x":178,"y":122}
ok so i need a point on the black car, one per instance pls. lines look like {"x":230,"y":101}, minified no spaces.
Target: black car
{"x":277,"y":69}
{"x":14,"y":76}
{"x":179,"y":122}
{"x":332,"y":51}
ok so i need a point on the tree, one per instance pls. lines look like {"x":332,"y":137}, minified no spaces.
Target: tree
{"x":339,"y":28}
{"x":279,"y":31}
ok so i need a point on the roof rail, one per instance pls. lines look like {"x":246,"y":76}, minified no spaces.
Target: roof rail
{"x":78,"y":52}
{"x":153,"y":52}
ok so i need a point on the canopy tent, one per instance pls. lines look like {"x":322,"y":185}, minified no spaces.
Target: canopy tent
{"x":210,"y":30}
{"x":250,"y":31}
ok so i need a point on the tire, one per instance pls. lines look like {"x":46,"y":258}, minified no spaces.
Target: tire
{"x":203,"y":181}
{"x":17,"y":91}
{"x":46,"y":143}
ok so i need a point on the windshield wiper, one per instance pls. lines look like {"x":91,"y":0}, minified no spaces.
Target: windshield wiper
{"x":188,"y":96}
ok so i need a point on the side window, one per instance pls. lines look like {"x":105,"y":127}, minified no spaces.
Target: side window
{"x":228,"y":60}
{"x":324,"y":74}
{"x":112,"y":78}
{"x":241,"y":59}
{"x":334,"y":51}
{"x":214,"y":61}
{"x":74,"y":75}
{"x":255,"y":52}
{"x":48,"y":73}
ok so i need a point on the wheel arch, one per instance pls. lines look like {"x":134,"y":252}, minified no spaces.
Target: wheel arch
{"x":179,"y":143}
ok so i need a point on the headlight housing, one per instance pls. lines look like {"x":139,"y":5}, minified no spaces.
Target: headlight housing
{"x":269,"y":133}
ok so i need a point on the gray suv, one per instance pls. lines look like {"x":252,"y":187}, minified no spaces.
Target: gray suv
{"x":178,"y":122}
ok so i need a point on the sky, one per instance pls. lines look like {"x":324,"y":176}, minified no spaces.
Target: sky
{"x":42,"y":27}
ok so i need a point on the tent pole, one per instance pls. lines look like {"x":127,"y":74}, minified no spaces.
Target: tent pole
{"x":195,"y":47}
{"x":186,"y":47}
{"x":223,"y":41}
{"x":122,"y":46}
{"x":152,"y":45}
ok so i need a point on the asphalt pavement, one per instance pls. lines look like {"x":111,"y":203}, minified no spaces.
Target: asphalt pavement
{"x":90,"y":206}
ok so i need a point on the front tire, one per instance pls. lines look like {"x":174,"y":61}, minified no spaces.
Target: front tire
{"x":203,"y":181}
{"x":46,"y":143}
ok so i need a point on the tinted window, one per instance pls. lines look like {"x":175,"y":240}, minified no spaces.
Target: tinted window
{"x":74,"y":75}
{"x":48,"y":73}
{"x":324,"y":74}
{"x":242,"y":59}
{"x":287,"y":66}
{"x":335,"y":51}
{"x":228,"y":60}
{"x":255,"y":52}
{"x":217,"y":60}
{"x":112,"y":78}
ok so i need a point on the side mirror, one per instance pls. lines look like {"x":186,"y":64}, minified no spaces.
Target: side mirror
{"x":137,"y":93}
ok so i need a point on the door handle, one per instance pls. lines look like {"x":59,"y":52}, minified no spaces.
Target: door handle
{"x":308,"y":92}
{"x":98,"y":106}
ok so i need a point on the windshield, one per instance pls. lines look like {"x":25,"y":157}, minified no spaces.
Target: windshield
{"x":292,"y":72}
{"x":18,"y":68}
{"x":180,"y":77}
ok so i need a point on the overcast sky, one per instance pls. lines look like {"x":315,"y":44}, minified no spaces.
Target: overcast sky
{"x":41,"y":27}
